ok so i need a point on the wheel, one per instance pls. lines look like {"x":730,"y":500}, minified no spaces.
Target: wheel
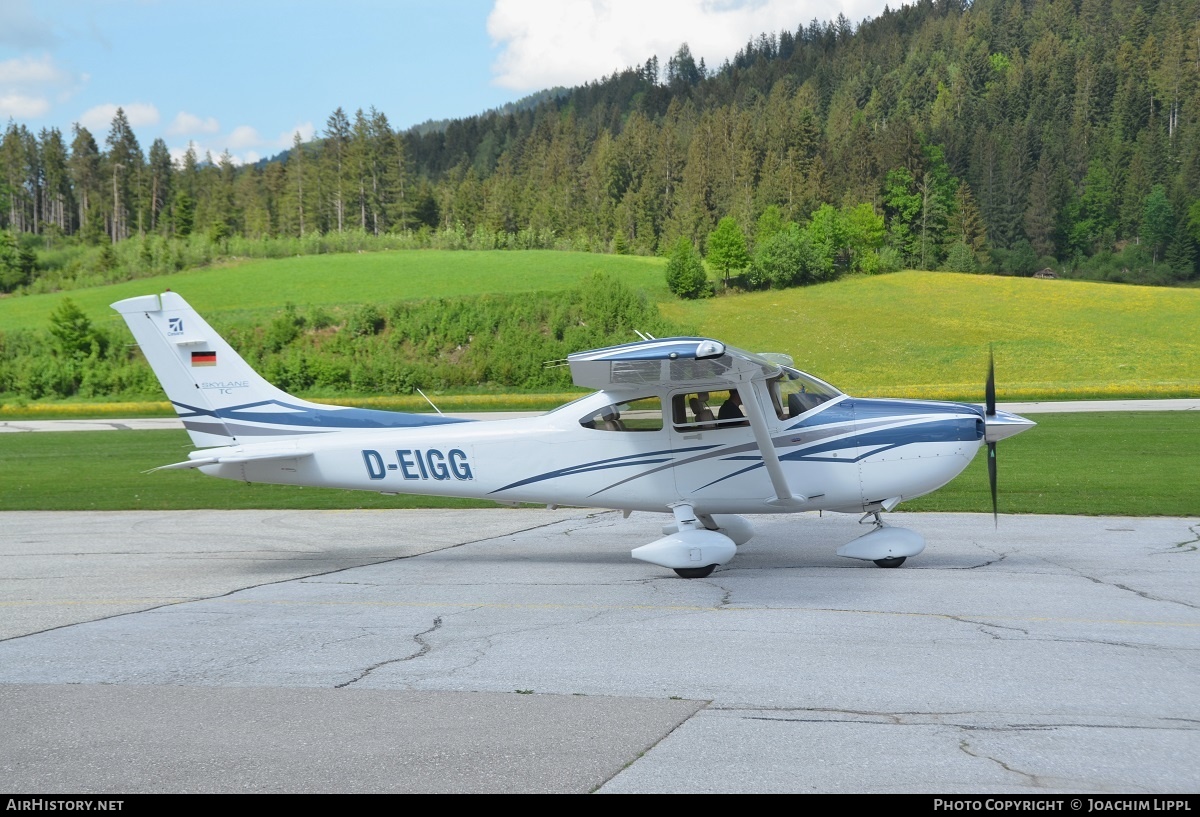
{"x":695,"y":572}
{"x":894,"y":562}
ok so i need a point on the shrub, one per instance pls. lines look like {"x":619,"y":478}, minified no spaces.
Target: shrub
{"x":686,"y":277}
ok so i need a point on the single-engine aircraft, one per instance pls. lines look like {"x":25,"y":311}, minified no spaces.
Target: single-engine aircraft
{"x":683,"y":426}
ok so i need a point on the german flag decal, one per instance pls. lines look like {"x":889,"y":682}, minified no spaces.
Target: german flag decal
{"x":204,"y":358}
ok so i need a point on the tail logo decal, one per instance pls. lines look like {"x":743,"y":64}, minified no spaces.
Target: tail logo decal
{"x":174,"y":327}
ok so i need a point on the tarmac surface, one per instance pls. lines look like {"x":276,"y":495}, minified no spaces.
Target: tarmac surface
{"x":525,"y":651}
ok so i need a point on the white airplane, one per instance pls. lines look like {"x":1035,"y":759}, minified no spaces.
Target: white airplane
{"x":683,"y":426}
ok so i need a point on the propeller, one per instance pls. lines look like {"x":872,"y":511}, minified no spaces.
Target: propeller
{"x":990,"y":398}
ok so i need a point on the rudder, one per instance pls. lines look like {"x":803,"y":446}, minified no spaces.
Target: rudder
{"x":219,"y":397}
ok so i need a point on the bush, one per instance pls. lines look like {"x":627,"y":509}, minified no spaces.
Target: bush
{"x":686,"y":277}
{"x":961,"y":259}
{"x":783,"y":260}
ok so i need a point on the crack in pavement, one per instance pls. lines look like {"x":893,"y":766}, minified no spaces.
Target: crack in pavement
{"x":1142,"y":593}
{"x":419,"y":638}
{"x":1037,"y":781}
{"x":1186,"y":546}
{"x":956,"y":719}
{"x":988,"y":563}
{"x":984,"y":626}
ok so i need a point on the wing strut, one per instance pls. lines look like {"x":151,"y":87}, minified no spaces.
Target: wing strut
{"x":766,"y":446}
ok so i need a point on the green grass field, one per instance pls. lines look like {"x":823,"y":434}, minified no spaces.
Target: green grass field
{"x":920,"y":334}
{"x":1127,"y":464}
{"x":260,"y":287}
{"x":927,"y":334}
{"x":104,"y":471}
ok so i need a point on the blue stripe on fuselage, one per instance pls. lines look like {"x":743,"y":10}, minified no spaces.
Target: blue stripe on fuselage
{"x":330,"y":419}
{"x":858,"y":409}
{"x":600,"y":465}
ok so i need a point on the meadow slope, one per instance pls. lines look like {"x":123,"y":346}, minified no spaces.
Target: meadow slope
{"x":927,"y":334}
{"x":923,"y":334}
{"x":261,"y":287}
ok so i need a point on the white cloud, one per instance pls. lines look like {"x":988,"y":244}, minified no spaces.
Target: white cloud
{"x":568,"y":42}
{"x":186,"y":123}
{"x":32,"y":71}
{"x":19,"y":106}
{"x":99,"y":119}
{"x":243,"y":136}
{"x":285,"y":140}
{"x":244,"y":144}
{"x":28,"y":83}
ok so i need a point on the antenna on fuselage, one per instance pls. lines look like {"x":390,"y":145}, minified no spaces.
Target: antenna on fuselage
{"x":427,"y":400}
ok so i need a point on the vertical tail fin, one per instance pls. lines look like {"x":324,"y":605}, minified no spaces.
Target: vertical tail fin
{"x":223,"y":401}
{"x":198,"y":370}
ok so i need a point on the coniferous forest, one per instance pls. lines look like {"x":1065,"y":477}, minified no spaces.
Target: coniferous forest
{"x":1001,"y":136}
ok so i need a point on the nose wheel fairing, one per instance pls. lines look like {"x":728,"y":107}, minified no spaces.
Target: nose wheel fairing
{"x":886,"y":546}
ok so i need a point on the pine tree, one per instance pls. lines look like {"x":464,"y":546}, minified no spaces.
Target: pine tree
{"x":1158,"y":222}
{"x":160,"y":171}
{"x":84,"y":169}
{"x":57,"y":207}
{"x":124,"y":162}
{"x":337,"y":165}
{"x":965,"y":225}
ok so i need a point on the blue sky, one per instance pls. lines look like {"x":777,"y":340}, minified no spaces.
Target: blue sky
{"x":245,"y":76}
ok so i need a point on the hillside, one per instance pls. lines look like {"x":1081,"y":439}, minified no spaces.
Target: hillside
{"x":459,"y":322}
{"x":928,"y":333}
{"x":1003,"y":135}
{"x":255,"y":290}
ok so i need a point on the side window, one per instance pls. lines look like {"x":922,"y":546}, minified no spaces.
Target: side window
{"x":707,"y":410}
{"x":640,"y":414}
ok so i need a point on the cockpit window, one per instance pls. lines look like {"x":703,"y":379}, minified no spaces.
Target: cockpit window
{"x":794,"y":392}
{"x":707,"y":410}
{"x":639,"y":414}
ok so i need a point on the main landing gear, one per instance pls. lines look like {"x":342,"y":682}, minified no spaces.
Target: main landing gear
{"x":689,"y":547}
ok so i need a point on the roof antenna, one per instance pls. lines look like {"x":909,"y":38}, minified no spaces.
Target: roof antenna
{"x":427,"y":400}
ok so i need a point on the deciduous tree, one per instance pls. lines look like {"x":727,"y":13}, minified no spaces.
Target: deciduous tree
{"x":727,"y":247}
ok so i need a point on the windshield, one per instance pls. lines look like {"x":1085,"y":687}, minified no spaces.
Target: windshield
{"x":794,"y":392}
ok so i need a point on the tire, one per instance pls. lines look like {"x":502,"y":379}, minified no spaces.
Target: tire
{"x":894,"y":562}
{"x":695,"y":572}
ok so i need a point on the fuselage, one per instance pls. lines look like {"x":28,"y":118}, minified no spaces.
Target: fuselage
{"x":646,"y":452}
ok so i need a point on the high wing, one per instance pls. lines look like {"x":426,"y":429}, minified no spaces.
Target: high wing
{"x":682,"y":362}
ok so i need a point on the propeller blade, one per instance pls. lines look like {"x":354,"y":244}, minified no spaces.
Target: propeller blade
{"x":992,"y":480}
{"x":990,"y":389}
{"x":990,"y":401}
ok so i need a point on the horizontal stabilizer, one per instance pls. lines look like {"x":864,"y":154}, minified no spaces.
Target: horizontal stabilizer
{"x":232,"y":459}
